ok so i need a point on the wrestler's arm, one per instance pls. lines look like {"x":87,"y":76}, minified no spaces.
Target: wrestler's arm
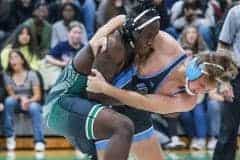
{"x":161,"y":103}
{"x":113,"y":24}
{"x":98,"y":42}
{"x":157,"y":103}
{"x":103,"y":61}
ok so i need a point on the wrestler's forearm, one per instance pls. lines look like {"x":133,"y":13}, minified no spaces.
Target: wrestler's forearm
{"x":162,"y":104}
{"x":104,"y":99}
{"x":108,"y":28}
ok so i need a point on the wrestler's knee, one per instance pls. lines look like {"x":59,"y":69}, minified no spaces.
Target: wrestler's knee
{"x":124,"y":127}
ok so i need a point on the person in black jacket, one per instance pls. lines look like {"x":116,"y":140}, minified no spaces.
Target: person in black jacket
{"x":2,"y":89}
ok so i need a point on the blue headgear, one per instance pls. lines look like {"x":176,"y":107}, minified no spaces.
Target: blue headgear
{"x":194,"y":70}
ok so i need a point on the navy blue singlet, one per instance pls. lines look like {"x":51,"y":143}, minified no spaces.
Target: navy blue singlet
{"x":130,"y":80}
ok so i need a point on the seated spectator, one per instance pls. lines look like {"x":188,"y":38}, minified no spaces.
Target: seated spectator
{"x":191,"y":12}
{"x":2,"y":89}
{"x":175,"y":142}
{"x":23,"y":40}
{"x":55,"y":8}
{"x":191,"y":41}
{"x":60,"y":55}
{"x":40,"y":28}
{"x":60,"y":28}
{"x":88,"y":13}
{"x":195,"y":125}
{"x":213,"y":105}
{"x":6,"y":21}
{"x":64,"y":51}
{"x":194,"y":122}
{"x":24,"y":95}
{"x":21,"y":10}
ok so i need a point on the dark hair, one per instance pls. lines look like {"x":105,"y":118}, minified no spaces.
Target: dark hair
{"x":14,"y":42}
{"x":19,"y":4}
{"x":191,"y":4}
{"x":25,"y":63}
{"x":73,"y":6}
{"x":39,"y":4}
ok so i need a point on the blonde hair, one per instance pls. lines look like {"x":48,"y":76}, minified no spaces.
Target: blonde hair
{"x":74,"y":24}
{"x":220,"y":67}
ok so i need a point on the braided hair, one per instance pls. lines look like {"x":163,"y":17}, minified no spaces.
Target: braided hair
{"x":134,"y":25}
{"x":137,"y":24}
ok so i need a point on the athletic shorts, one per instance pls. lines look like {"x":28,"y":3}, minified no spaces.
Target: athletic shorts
{"x":73,"y":118}
{"x":138,"y":137}
{"x":141,"y":119}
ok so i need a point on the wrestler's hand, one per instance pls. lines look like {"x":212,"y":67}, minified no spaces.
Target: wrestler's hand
{"x":98,"y":45}
{"x":227,"y":92}
{"x":96,"y":83}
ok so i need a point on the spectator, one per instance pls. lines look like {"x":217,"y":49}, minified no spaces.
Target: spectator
{"x":191,"y":41}
{"x":190,"y":12}
{"x":194,"y":122}
{"x":175,"y":142}
{"x":23,"y":40}
{"x":6,"y":22}
{"x":2,"y":89}
{"x":195,"y":125}
{"x":59,"y":30}
{"x":22,"y":10}
{"x":60,"y":55}
{"x":40,"y":28}
{"x":64,"y":51}
{"x":230,"y":114}
{"x":24,"y":93}
{"x":55,"y":8}
{"x":88,"y":12}
{"x":213,"y":106}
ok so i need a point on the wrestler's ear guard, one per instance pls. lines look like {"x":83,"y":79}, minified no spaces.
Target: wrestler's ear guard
{"x":131,"y":26}
{"x":193,"y":70}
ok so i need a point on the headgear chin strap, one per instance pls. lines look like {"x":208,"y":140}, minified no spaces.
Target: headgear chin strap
{"x":188,"y":90}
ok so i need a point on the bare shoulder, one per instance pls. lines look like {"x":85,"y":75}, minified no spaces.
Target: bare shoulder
{"x":170,"y":40}
{"x":166,"y":42}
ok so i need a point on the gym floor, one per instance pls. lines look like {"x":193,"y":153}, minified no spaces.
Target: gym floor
{"x":70,"y":155}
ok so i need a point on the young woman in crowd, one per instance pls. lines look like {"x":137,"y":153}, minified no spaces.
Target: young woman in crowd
{"x":22,"y":40}
{"x":24,"y":95}
{"x":69,"y":12}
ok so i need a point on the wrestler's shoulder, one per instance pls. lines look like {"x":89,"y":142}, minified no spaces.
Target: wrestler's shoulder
{"x":168,"y":40}
{"x":167,"y":37}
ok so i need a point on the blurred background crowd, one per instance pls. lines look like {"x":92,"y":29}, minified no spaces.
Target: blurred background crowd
{"x":39,"y":37}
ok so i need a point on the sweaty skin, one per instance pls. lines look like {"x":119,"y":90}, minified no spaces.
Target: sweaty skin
{"x":162,"y":101}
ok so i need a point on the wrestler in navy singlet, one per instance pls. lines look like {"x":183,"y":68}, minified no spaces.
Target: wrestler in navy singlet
{"x":130,"y":80}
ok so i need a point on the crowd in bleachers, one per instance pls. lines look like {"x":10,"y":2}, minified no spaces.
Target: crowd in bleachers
{"x":39,"y":37}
